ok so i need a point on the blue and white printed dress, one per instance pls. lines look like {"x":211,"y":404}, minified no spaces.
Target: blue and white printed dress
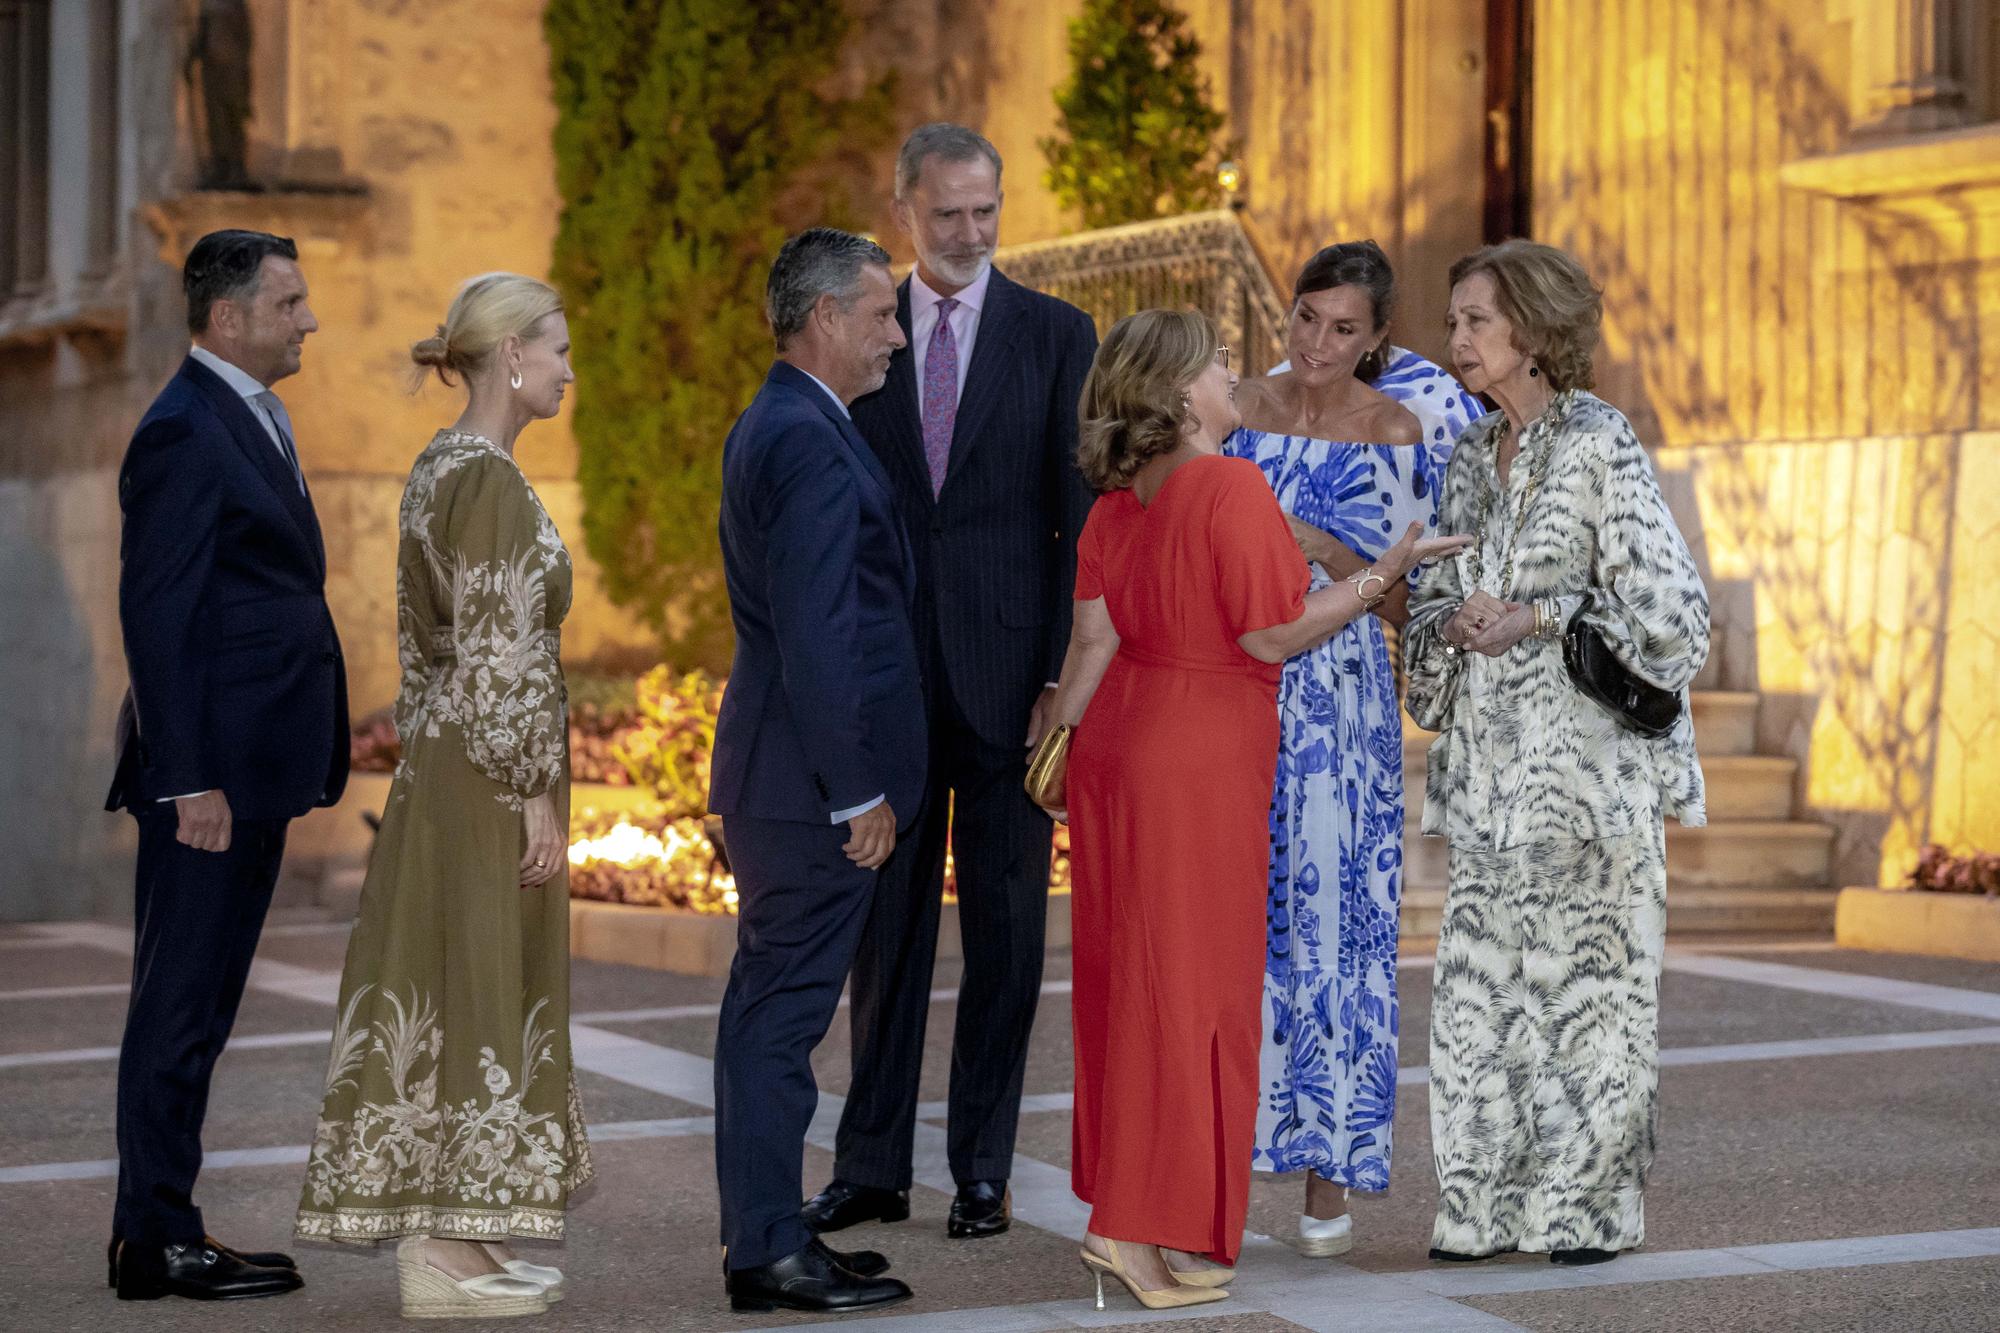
{"x":1327,"y":1098}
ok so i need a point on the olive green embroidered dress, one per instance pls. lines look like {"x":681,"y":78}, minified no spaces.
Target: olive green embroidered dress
{"x":450,"y":1107}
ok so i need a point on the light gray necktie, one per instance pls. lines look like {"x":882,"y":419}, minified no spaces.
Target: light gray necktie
{"x":282,"y":420}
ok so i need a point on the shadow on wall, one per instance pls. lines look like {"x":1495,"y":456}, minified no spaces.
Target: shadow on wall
{"x":1845,"y":544}
{"x":64,"y":856}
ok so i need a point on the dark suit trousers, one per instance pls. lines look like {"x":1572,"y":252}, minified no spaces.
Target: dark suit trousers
{"x":198,"y":916}
{"x":801,"y":905}
{"x":1001,"y":860}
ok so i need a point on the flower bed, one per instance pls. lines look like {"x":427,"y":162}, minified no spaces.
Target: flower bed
{"x":1938,"y":871}
{"x":653,"y":733}
{"x":617,"y":726}
{"x":644,"y":858}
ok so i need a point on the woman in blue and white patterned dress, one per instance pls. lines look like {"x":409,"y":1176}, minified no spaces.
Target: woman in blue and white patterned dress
{"x":1353,"y":435}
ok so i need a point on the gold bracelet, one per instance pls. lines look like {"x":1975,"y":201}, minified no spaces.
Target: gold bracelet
{"x":1359,"y":579}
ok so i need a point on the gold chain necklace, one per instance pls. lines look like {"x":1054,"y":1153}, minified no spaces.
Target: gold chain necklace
{"x":1528,"y":489}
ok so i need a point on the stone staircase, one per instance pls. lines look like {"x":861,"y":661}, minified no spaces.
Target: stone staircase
{"x":1756,"y":867}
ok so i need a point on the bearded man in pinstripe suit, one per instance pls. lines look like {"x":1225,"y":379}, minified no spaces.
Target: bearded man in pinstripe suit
{"x":976,"y":426}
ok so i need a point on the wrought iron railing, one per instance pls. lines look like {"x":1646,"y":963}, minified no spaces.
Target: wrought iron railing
{"x":1203,"y":261}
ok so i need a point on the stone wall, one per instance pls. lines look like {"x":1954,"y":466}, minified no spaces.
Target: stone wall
{"x":1801,"y":314}
{"x":1804,"y":337}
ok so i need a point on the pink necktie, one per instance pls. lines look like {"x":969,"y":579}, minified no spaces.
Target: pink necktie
{"x":940,"y":394}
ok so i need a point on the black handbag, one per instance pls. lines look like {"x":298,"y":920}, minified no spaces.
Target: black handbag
{"x":1594,"y":669}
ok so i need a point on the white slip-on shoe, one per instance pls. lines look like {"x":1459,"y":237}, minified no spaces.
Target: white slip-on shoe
{"x":551,"y":1279}
{"x":1324,"y":1237}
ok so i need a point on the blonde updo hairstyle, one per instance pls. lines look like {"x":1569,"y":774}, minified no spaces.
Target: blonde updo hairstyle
{"x":1135,"y":399}
{"x":1549,"y":299}
{"x":486,"y":312}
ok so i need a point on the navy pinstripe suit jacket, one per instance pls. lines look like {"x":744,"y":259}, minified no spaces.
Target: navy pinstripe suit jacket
{"x":996,"y":549}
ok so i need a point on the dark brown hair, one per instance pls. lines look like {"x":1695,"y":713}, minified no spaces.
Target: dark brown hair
{"x":1355,"y":264}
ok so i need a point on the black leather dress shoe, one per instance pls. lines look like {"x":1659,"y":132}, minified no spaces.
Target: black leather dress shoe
{"x":200,"y":1272}
{"x":983,"y":1208}
{"x":1578,"y":1258}
{"x":810,"y":1279}
{"x":861,"y":1263}
{"x":841,"y":1205}
{"x":256,"y":1258}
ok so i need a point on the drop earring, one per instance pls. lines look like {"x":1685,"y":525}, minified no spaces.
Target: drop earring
{"x":1534,"y":373}
{"x":515,"y":378}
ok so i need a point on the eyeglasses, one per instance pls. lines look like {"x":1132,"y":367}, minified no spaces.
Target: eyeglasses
{"x":1222,"y":357}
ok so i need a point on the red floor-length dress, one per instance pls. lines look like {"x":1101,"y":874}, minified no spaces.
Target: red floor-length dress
{"x":1169,"y":800}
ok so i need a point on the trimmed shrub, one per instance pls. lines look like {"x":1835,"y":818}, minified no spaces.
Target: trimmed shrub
{"x":691,"y":137}
{"x":1136,"y":134}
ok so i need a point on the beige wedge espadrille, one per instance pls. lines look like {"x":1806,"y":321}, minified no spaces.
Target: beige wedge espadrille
{"x":431,"y":1293}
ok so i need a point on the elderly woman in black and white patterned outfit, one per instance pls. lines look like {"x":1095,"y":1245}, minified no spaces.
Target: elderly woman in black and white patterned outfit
{"x":1544,"y":1018}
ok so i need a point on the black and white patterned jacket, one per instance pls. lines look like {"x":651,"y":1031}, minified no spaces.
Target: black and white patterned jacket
{"x":1523,"y":755}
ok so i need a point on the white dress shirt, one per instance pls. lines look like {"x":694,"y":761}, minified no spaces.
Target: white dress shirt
{"x":852,"y":811}
{"x":964,"y":324}
{"x":829,"y":392}
{"x":253,"y":392}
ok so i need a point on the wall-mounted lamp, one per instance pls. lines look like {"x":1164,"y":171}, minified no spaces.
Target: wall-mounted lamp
{"x":1230,"y":177}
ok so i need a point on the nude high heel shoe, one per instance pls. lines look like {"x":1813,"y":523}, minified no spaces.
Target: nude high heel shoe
{"x":1203,"y":1277}
{"x":1174,"y":1298}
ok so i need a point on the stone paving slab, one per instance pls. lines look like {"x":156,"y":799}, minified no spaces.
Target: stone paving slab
{"x":23,"y":968}
{"x":1908,"y":967}
{"x":1946,"y":1296}
{"x":99,"y":1021}
{"x":260,"y":1098}
{"x":1884,"y":1158}
{"x":606,"y":1100}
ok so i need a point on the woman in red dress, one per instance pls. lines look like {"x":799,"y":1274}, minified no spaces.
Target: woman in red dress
{"x":1190,"y":594}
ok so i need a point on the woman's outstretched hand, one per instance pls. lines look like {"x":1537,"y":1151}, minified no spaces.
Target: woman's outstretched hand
{"x":1415,"y":549}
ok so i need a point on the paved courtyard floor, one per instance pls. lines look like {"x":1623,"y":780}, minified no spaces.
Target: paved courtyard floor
{"x":1830,"y":1159}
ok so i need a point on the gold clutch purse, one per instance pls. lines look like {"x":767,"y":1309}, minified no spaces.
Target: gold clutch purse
{"x":1048,"y":769}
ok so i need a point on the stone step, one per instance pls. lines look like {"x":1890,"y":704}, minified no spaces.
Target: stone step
{"x":1749,"y":853}
{"x":1689,"y":911}
{"x":1740,"y":786}
{"x":1725,"y":723}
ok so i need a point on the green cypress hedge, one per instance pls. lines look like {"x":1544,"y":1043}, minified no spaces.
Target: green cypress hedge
{"x":1136,"y":135}
{"x":691,"y":137}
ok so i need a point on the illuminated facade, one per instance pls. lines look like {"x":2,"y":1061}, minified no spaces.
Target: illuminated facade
{"x":1793,"y":205}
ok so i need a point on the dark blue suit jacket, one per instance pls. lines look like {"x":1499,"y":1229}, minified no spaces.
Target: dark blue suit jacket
{"x":824,"y":707}
{"x":996,"y":549}
{"x":237,"y":678}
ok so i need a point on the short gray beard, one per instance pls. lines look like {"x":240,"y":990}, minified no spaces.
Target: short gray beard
{"x":957,"y":278}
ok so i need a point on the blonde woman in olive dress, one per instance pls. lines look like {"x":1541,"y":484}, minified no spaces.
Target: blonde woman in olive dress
{"x":451,"y":1120}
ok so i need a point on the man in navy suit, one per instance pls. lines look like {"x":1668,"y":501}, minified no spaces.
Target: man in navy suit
{"x":235,"y":723}
{"x":977,"y":428}
{"x":819,"y":749}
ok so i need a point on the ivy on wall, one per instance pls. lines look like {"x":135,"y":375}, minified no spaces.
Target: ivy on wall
{"x":1136,"y":134}
{"x":691,"y":137}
